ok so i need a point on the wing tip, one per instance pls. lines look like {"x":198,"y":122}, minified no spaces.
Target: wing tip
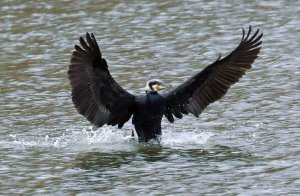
{"x":255,"y":35}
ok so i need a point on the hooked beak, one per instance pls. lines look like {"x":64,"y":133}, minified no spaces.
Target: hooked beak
{"x":157,"y":87}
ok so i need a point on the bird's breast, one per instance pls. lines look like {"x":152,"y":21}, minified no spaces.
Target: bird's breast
{"x":155,"y":103}
{"x":155,"y":99}
{"x":152,"y":103}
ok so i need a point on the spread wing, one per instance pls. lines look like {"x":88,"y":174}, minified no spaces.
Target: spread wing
{"x":213,"y":82}
{"x":95,"y":94}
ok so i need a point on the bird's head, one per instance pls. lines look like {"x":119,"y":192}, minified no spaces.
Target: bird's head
{"x":155,"y":85}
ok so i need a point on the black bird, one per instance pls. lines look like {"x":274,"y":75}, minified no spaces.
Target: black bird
{"x":98,"y":97}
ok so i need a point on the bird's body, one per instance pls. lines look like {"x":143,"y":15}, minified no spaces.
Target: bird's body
{"x":98,"y":97}
{"x":149,"y":110}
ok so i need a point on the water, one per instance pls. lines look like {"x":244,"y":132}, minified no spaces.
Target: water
{"x":245,"y":144}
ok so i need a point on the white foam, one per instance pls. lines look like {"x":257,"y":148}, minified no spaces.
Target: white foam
{"x":105,"y":138}
{"x":195,"y":137}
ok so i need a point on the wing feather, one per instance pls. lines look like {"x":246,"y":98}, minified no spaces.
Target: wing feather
{"x":213,"y":82}
{"x":95,"y":93}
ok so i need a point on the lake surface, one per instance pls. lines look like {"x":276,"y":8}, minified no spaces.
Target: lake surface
{"x":247,"y":143}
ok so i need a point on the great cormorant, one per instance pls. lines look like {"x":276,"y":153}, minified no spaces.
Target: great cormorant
{"x":98,"y":97}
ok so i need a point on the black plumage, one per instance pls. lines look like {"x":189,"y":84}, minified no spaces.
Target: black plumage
{"x":98,"y":97}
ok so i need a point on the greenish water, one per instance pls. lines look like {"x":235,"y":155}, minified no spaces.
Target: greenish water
{"x":245,"y":144}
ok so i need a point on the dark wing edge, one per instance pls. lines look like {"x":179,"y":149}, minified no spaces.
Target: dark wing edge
{"x":95,"y":93}
{"x":213,"y":82}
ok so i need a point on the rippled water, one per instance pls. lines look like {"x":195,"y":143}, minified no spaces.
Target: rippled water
{"x":245,"y":144}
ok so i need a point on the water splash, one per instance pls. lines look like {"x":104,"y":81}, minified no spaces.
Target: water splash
{"x":104,"y":138}
{"x":195,"y":137}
